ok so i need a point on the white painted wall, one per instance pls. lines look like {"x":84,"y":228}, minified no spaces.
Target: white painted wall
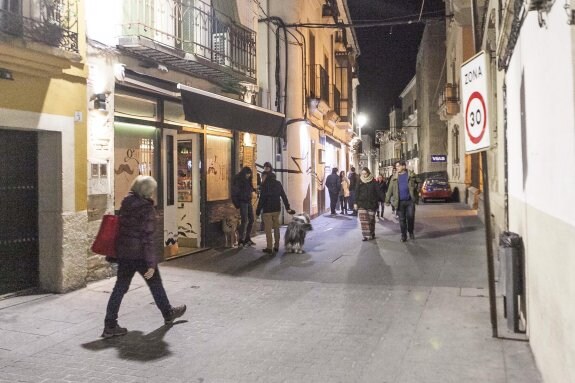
{"x":541,"y":144}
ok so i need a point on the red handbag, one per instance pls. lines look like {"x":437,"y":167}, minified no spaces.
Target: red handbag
{"x":105,"y":242}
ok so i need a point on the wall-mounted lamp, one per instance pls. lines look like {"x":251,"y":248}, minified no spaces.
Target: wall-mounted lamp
{"x":248,"y":140}
{"x":5,"y":74}
{"x":100,"y":101}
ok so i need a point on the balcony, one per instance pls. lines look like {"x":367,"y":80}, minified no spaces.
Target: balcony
{"x":190,"y":36}
{"x":448,"y":102}
{"x":50,"y":22}
{"x":318,"y":82}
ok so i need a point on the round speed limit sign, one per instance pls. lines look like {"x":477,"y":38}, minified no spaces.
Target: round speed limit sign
{"x":475,"y":100}
{"x":475,"y":117}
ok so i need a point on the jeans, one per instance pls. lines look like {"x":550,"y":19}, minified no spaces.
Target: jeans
{"x":333,"y":201}
{"x":247,"y":221}
{"x":126,"y":270}
{"x":272,"y":221}
{"x":406,"y":211}
{"x":351,"y":200}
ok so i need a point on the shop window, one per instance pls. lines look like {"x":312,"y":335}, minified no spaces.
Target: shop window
{"x":134,"y":154}
{"x":218,"y":167}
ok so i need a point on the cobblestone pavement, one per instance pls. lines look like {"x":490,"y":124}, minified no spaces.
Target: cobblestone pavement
{"x":344,"y":311}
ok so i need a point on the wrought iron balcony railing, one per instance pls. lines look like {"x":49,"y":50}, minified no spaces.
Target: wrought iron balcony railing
{"x":51,"y":22}
{"x":318,"y":82}
{"x":193,"y":27}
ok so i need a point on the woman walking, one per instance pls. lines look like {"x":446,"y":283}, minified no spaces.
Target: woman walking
{"x":343,"y":192}
{"x":135,"y":253}
{"x":367,"y":197}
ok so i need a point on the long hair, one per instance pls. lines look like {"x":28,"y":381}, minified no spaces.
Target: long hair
{"x":144,"y":186}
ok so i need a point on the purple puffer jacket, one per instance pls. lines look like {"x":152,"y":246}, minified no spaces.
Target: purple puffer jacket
{"x":137,"y":225}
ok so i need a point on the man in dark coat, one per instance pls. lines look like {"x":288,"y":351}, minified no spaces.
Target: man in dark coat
{"x":333,"y":185}
{"x":242,"y":189}
{"x":402,"y":192}
{"x":269,"y":204}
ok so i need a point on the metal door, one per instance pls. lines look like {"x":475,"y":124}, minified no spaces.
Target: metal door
{"x":18,"y":210}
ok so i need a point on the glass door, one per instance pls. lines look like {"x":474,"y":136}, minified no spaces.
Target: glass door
{"x":188,"y":203}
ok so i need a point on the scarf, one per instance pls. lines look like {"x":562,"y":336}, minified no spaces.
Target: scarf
{"x":367,"y":179}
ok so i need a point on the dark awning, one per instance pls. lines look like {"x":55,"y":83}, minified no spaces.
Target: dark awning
{"x":211,"y":109}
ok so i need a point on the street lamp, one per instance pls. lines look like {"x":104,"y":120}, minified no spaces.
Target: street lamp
{"x":361,"y":121}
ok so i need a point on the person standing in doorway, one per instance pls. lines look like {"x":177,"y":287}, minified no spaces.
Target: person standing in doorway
{"x":333,"y":184}
{"x":135,"y":253}
{"x":269,"y":205}
{"x":353,"y":181}
{"x":367,"y":198}
{"x":402,"y":191}
{"x":242,"y":189}
{"x":343,"y":192}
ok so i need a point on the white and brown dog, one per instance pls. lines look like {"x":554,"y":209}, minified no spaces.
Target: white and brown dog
{"x":296,"y":232}
{"x":230,"y":225}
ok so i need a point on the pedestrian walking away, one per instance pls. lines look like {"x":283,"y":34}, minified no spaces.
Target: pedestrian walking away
{"x":367,"y":197}
{"x":353,"y":181}
{"x":333,"y":184}
{"x":382,"y":184}
{"x":269,"y":205}
{"x":135,"y":253}
{"x":343,"y":192}
{"x":402,"y":192}
{"x":242,"y":192}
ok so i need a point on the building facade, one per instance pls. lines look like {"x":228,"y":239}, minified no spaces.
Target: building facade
{"x":313,"y":81}
{"x":531,"y":38}
{"x":42,"y":145}
{"x":430,"y":80}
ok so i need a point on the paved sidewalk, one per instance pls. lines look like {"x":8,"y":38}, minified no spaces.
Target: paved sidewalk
{"x":344,"y":311}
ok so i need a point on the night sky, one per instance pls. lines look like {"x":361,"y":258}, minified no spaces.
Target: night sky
{"x":388,"y":54}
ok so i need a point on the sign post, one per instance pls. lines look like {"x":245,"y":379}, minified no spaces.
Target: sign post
{"x":474,"y":100}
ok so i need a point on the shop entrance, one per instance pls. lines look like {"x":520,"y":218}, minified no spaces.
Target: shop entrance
{"x":18,"y":211}
{"x":188,"y":196}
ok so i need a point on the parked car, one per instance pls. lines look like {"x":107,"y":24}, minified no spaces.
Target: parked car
{"x":435,"y":188}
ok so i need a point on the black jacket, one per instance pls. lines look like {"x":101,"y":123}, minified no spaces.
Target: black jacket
{"x":333,"y":183}
{"x":242,"y":188}
{"x":353,"y":179}
{"x":368,"y":195}
{"x":271,"y":192}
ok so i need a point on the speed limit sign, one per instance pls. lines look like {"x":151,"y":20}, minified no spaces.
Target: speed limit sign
{"x":474,"y":87}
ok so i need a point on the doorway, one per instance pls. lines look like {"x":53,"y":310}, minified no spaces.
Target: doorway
{"x":19,"y":248}
{"x":189,"y":193}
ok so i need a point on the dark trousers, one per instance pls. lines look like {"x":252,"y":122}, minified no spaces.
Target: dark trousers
{"x":333,"y":201}
{"x":343,"y":203}
{"x":381,"y":208}
{"x":406,"y":211}
{"x":247,"y":221}
{"x":351,"y":201}
{"x":126,"y":270}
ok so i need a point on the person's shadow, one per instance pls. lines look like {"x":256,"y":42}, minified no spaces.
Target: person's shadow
{"x":136,"y":345}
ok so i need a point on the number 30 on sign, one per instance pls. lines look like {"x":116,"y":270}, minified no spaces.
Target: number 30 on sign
{"x":474,"y":93}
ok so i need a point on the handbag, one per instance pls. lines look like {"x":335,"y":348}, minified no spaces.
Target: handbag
{"x":105,"y":242}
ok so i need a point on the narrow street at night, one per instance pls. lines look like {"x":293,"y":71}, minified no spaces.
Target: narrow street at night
{"x":343,"y":311}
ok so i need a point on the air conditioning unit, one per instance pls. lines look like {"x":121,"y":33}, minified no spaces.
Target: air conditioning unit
{"x":221,"y":48}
